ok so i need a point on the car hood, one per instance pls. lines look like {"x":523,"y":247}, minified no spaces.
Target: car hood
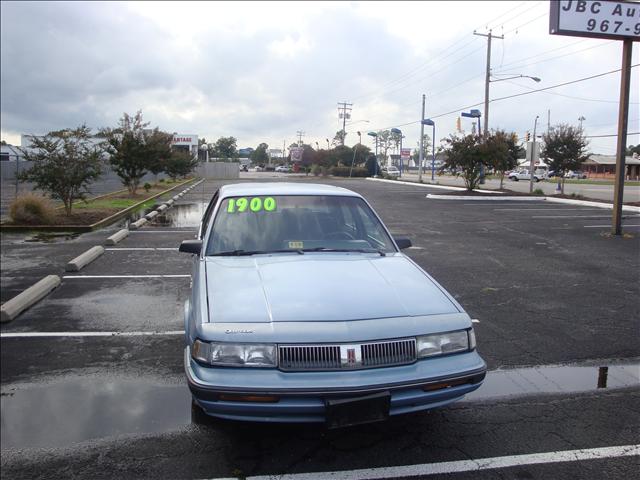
{"x":320,"y":287}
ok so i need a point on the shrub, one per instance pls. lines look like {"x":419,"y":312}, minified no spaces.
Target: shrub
{"x":315,"y":169}
{"x":147,"y":187}
{"x":161,"y":180}
{"x":344,"y":172}
{"x":31,"y":209}
{"x":538,"y":191}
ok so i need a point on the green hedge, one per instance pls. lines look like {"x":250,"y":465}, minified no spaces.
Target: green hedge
{"x":344,"y":172}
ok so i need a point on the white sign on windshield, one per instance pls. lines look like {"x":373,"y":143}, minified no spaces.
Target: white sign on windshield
{"x":599,"y":19}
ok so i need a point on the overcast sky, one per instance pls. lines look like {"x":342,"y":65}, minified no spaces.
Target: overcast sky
{"x":262,"y":71}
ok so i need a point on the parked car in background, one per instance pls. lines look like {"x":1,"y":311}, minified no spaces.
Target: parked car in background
{"x":391,"y":170}
{"x":524,"y":175}
{"x":283,"y":169}
{"x":259,"y":168}
{"x":244,"y":168}
{"x":575,"y":174}
{"x":273,"y":335}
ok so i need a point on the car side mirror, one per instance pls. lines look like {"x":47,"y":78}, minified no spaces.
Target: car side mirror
{"x":402,"y":242}
{"x":191,"y":246}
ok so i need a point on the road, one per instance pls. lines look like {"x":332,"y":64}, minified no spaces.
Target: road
{"x":92,"y":382}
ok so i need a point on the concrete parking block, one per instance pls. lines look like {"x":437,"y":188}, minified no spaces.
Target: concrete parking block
{"x":116,"y":237}
{"x":151,"y":215}
{"x":12,"y":308}
{"x":86,"y":258}
{"x":162,"y":208}
{"x":136,"y":225}
{"x":169,"y":202}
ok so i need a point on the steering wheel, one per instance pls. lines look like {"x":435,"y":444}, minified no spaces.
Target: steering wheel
{"x":339,"y":235}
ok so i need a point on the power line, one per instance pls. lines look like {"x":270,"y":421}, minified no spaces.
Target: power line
{"x":561,"y":84}
{"x":571,"y":96}
{"x":527,"y":23}
{"x":611,"y":135}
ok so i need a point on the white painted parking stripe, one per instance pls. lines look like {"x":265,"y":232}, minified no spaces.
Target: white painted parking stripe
{"x":550,"y":208}
{"x":609,"y":226}
{"x":84,"y":277}
{"x":85,"y":334}
{"x":143,"y":249}
{"x":474,"y":465}
{"x":163,"y":231}
{"x":577,"y":216}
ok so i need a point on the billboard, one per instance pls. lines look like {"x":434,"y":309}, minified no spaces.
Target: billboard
{"x":612,"y":19}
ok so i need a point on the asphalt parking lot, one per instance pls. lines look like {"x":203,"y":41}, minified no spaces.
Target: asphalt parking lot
{"x":92,"y":377}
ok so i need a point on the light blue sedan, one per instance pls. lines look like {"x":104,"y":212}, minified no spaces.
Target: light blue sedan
{"x":303,"y":309}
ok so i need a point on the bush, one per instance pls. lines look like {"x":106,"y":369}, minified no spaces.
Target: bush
{"x":147,"y":187}
{"x":161,"y":180}
{"x":538,"y":191}
{"x":315,"y":169}
{"x":31,"y":209}
{"x":344,"y":172}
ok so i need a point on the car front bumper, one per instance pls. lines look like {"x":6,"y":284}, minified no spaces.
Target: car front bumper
{"x":302,"y":396}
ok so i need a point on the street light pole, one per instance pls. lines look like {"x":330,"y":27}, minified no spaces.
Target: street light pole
{"x":355,"y":149}
{"x":533,"y":154}
{"x":421,"y":154}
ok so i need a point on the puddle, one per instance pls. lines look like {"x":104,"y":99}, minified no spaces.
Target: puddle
{"x":555,"y":379}
{"x":52,"y":237}
{"x":71,"y":411}
{"x":183,"y":215}
{"x":79,"y":409}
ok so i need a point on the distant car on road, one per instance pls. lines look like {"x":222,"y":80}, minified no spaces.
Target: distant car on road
{"x":524,"y":175}
{"x":259,"y":168}
{"x":273,"y":335}
{"x":575,"y":174}
{"x":283,"y":169}
{"x":244,"y":168}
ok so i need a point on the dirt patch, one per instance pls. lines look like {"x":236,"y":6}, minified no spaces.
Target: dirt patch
{"x":83,"y":217}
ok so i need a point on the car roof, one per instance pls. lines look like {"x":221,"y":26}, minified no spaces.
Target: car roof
{"x":283,"y":188}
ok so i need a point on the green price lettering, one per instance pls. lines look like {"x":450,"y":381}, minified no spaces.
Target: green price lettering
{"x":255,"y":204}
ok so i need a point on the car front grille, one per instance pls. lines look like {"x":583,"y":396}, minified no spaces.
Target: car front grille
{"x":297,"y":358}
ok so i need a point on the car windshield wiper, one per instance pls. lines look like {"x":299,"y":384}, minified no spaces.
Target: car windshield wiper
{"x":359,"y":250}
{"x":239,"y":253}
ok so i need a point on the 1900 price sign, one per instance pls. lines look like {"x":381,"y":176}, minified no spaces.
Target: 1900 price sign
{"x":599,"y":19}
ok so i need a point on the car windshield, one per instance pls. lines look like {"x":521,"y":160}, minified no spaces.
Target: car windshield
{"x":263,"y":224}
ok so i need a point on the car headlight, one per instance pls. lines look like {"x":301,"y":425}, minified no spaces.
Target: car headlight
{"x":444,"y":343}
{"x":235,"y":354}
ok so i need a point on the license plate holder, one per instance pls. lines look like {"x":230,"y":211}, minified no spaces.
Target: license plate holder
{"x":345,"y":412}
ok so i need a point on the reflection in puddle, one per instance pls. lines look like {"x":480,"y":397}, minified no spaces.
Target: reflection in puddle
{"x":555,"y":379}
{"x":52,"y":237}
{"x":75,"y":410}
{"x":79,"y":409}
{"x":183,"y":215}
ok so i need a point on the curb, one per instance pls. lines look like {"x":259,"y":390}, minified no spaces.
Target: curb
{"x":432,"y":185}
{"x":483,"y":198}
{"x":18,"y":304}
{"x":584,"y":203}
{"x":84,"y":259}
{"x":116,"y":237}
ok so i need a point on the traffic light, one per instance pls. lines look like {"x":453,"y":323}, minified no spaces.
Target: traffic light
{"x":528,"y":137}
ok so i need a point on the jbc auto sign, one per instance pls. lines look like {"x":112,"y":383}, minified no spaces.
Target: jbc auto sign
{"x":603,"y":19}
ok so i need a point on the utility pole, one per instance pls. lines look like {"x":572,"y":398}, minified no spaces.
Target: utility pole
{"x":344,"y":106}
{"x":487,"y":80}
{"x":283,"y":150}
{"x":300,"y":134}
{"x":548,"y":121}
{"x":421,"y":154}
{"x":533,"y":156}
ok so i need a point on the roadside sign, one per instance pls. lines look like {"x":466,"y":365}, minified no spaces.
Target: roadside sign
{"x":611,"y":19}
{"x":296,"y":154}
{"x":615,"y":19}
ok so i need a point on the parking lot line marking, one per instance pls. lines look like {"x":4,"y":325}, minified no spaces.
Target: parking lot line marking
{"x":577,"y":216}
{"x":609,"y":226}
{"x":124,"y":276}
{"x":547,"y":209}
{"x":474,"y":465}
{"x":190,"y":232}
{"x":143,"y":249}
{"x":85,"y":334}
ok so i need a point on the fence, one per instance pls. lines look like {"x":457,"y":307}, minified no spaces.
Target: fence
{"x":218,"y":170}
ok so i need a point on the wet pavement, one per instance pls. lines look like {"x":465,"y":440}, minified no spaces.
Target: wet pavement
{"x":549,"y":293}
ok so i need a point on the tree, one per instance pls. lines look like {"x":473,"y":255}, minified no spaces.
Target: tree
{"x":65,"y":163}
{"x":226,"y":148}
{"x":632,"y":149}
{"x":135,"y":149}
{"x":372,"y":165}
{"x":466,"y":154}
{"x":565,"y":148}
{"x":384,"y":140}
{"x":426,"y":146}
{"x":260,"y":156}
{"x":180,"y":164}
{"x":339,"y":138}
{"x":501,"y":150}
